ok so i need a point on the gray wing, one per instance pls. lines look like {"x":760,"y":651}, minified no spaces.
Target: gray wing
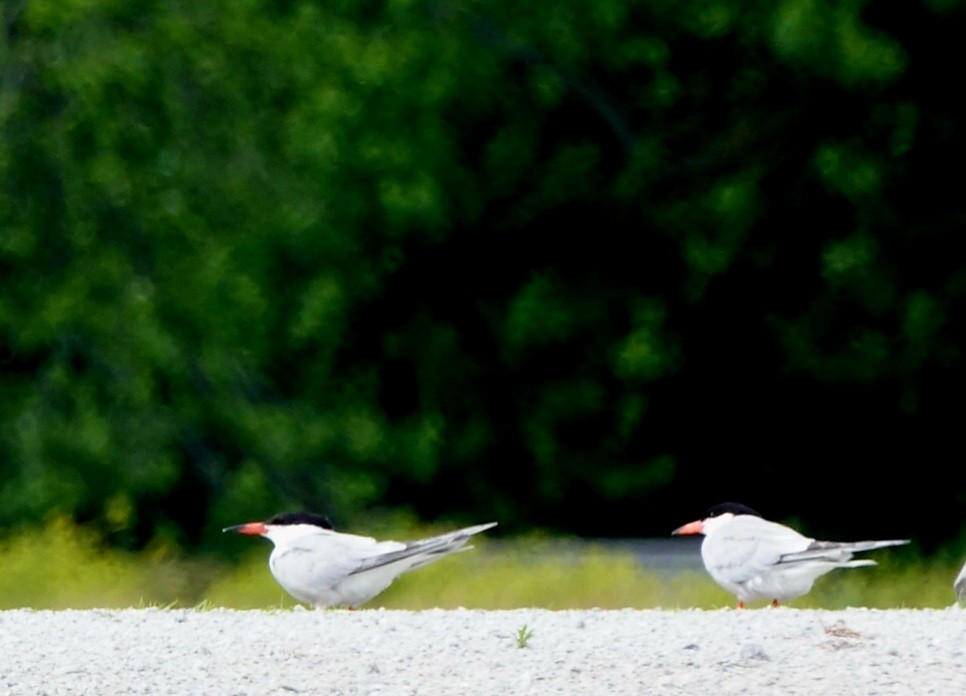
{"x":325,"y":558}
{"x":425,"y":550}
{"x":748,"y":547}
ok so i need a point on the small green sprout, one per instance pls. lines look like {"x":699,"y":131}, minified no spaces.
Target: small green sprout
{"x":524,"y":634}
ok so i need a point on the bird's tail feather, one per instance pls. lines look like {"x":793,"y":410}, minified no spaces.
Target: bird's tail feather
{"x":424,"y":551}
{"x":859,"y":563}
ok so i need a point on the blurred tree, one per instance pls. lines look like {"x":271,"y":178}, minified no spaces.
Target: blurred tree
{"x":592,"y":264}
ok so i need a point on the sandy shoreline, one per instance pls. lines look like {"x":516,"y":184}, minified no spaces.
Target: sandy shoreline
{"x":766,"y":651}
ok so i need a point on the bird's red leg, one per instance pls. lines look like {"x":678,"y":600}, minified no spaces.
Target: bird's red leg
{"x":741,"y":605}
{"x":774,"y":603}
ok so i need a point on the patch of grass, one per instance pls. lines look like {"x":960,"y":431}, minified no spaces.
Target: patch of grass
{"x":528,"y":574}
{"x":63,"y":566}
{"x":142,"y":604}
{"x":524,"y":634}
{"x":248,"y":584}
{"x":893,"y":584}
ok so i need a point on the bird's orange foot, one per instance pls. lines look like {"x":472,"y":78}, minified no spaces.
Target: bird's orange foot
{"x":775,"y":603}
{"x":741,"y":605}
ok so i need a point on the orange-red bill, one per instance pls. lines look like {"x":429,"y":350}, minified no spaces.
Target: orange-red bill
{"x":253,"y":528}
{"x":696,"y":527}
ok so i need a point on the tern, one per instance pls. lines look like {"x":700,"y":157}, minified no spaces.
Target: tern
{"x":324,"y":568}
{"x":960,"y":585}
{"x":755,"y":559}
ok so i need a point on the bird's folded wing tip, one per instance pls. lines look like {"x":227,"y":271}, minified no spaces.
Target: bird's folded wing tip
{"x":482,"y":527}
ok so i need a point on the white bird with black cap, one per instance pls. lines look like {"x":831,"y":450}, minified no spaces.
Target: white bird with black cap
{"x":322,"y":567}
{"x":756,"y":559}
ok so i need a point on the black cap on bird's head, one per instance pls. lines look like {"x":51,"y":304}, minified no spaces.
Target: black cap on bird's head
{"x":699,"y":527}
{"x":733,"y":508}
{"x":279,"y":520}
{"x":301,"y":517}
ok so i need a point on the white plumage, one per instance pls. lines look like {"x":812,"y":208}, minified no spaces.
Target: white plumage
{"x":322,"y":567}
{"x":756,"y":559}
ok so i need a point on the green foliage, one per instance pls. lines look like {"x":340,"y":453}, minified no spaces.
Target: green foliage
{"x":471,"y":257}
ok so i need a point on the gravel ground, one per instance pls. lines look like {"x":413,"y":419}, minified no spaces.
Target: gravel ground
{"x":758,"y":651}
